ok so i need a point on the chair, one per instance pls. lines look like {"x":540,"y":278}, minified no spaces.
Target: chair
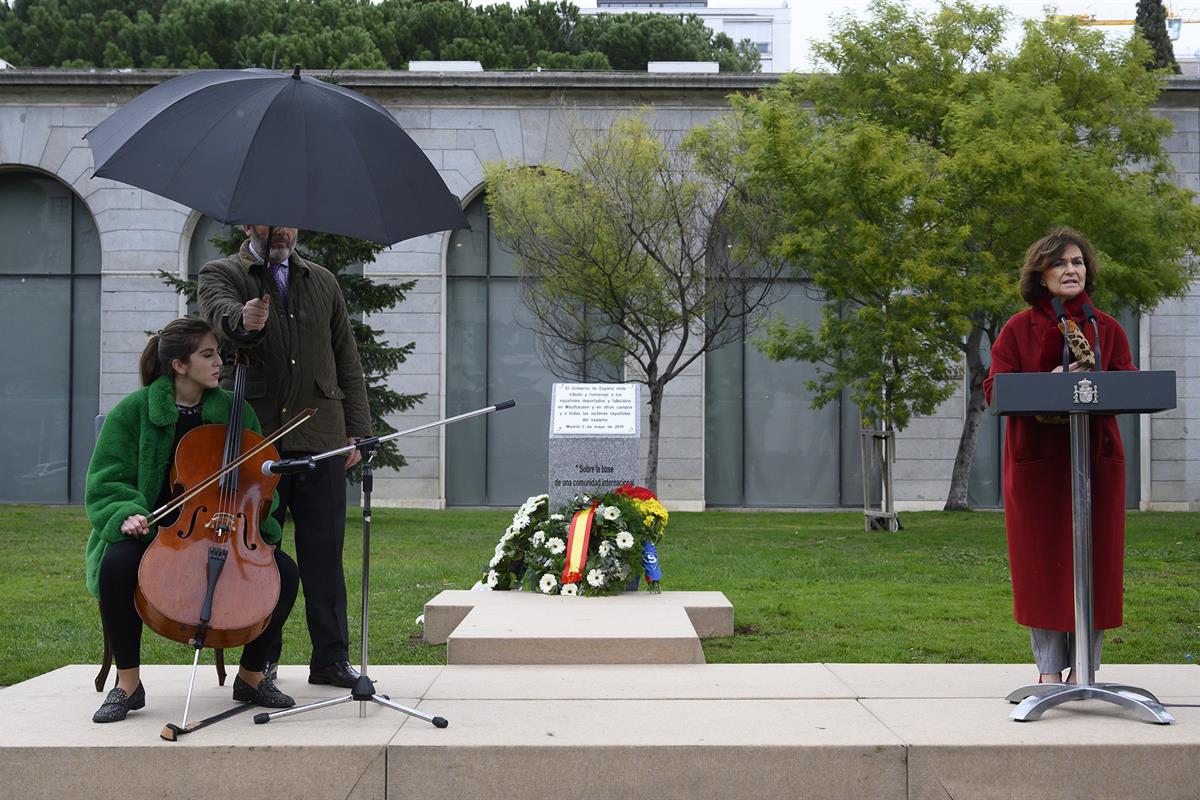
{"x":106,"y":662}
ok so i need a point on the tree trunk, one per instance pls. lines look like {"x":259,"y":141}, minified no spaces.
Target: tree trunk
{"x":656,"y":398}
{"x":960,"y":479}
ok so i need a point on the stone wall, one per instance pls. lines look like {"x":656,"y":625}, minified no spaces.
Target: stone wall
{"x":463,"y":121}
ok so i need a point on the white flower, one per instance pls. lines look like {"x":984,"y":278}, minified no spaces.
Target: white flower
{"x":570,"y":590}
{"x":520,"y":522}
{"x":493,"y":578}
{"x":557,"y":517}
{"x":495,"y":560}
{"x":595,"y":577}
{"x":547,"y":583}
{"x":480,"y":587}
{"x":508,"y":534}
{"x":419,"y":620}
{"x":500,"y":550}
{"x":538,"y":537}
{"x":556,"y":545}
{"x":605,"y":548}
{"x":611,"y":513}
{"x":624,"y":540}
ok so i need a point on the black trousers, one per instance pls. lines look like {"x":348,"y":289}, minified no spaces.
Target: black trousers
{"x":118,"y":582}
{"x":317,"y":502}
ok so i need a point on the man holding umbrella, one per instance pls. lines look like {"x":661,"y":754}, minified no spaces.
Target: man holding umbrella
{"x":255,"y":145}
{"x":290,"y":315}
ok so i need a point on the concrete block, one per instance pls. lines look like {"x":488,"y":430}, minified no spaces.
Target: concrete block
{"x":411,"y":118}
{"x":480,"y":142}
{"x":970,"y":748}
{"x":59,"y":144}
{"x":506,"y":127}
{"x":634,"y":682}
{"x":435,"y":139}
{"x":571,"y":630}
{"x":38,"y":122}
{"x":535,"y":126}
{"x":449,"y":117}
{"x":76,"y":168}
{"x":710,"y":613}
{"x":618,"y":749}
{"x":466,"y":162}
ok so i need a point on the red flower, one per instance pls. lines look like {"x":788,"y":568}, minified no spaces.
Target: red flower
{"x":572,"y":577}
{"x":635,"y":492}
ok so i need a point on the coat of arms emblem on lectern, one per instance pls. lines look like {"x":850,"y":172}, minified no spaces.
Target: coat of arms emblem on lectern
{"x":1086,"y":392}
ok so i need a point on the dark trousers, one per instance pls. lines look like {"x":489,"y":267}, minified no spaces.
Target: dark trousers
{"x":317,"y":502}
{"x":118,"y":581}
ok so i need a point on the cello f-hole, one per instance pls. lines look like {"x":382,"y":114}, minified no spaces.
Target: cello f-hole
{"x":246,"y":532}
{"x":192,"y":524}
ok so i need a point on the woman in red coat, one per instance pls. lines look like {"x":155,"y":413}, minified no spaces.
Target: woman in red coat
{"x":1037,"y":459}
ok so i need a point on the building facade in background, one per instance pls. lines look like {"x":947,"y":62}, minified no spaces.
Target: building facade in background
{"x":767,"y":24}
{"x":79,"y":291}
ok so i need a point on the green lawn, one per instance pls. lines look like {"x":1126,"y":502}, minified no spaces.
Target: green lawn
{"x":804,"y":586}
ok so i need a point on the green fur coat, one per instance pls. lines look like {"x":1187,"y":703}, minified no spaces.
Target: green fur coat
{"x":129,"y":464}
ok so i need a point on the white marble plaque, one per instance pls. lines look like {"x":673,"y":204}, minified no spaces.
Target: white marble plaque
{"x":595,"y":409}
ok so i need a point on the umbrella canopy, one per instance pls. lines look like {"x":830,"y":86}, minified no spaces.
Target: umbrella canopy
{"x":267,"y":148}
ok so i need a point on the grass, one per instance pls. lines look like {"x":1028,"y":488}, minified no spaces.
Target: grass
{"x":804,"y":586}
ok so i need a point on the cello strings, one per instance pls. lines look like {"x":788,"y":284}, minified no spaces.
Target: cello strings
{"x":296,"y":421}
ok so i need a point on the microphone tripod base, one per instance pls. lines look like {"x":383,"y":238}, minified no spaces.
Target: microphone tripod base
{"x":364,"y":683}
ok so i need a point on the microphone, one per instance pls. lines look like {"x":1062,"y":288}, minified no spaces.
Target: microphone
{"x":1061,"y":313}
{"x":503,"y":404}
{"x":1090,"y":314}
{"x":289,"y":466}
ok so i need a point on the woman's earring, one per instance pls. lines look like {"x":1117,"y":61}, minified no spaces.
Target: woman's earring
{"x":1043,"y":283}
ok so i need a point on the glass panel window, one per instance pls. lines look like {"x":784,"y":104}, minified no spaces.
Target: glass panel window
{"x":49,"y":339}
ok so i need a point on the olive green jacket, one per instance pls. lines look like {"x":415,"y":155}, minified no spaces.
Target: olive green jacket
{"x":129,"y":465}
{"x":305,"y":357}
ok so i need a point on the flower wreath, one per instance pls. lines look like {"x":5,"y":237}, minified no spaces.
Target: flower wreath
{"x":625,"y":528}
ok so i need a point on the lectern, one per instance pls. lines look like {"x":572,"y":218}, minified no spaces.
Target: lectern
{"x":1078,"y":395}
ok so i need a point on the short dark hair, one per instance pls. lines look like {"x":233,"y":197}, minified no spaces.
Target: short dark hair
{"x":1045,"y":253}
{"x":178,"y":339}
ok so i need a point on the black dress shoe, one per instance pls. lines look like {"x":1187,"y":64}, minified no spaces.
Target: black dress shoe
{"x":265,"y":694}
{"x":118,"y":704}
{"x":339,"y":673}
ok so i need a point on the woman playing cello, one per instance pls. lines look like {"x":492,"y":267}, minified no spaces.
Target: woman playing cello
{"x":130,"y":474}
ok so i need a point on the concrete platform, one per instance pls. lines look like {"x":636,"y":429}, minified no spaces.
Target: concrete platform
{"x":912,"y":732}
{"x":569,"y":630}
{"x":710,"y":613}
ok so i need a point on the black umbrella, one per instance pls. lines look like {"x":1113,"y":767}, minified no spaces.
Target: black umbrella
{"x":267,"y":148}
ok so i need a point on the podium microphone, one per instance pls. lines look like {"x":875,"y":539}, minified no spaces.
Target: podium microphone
{"x":1061,"y":313}
{"x":1090,"y":314}
{"x":289,"y":466}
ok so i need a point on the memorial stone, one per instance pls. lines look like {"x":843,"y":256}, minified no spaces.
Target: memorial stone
{"x":594,"y":433}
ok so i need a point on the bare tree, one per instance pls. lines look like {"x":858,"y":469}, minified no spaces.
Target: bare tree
{"x":641,"y":257}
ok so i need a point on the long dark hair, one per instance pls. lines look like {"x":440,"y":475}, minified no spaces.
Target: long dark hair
{"x":178,"y":339}
{"x":1044,"y":254}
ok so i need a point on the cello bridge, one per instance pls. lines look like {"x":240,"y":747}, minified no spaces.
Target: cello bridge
{"x":221,"y":522}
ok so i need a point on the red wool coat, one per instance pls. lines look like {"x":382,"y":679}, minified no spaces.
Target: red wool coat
{"x":1037,"y":479}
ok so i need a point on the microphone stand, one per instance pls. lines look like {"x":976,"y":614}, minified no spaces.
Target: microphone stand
{"x":364,"y":688}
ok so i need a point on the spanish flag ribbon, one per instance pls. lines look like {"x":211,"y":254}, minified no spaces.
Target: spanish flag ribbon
{"x":578,"y":534}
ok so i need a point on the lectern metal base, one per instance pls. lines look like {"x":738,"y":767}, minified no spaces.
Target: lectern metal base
{"x":1038,"y":698}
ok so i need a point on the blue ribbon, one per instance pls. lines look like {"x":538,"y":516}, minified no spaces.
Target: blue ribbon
{"x":650,"y":562}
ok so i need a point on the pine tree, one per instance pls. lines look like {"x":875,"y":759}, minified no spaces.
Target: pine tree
{"x":1151,"y":23}
{"x":339,"y":255}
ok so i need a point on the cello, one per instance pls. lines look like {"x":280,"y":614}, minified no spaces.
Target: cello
{"x":214,"y":542}
{"x":209,"y":579}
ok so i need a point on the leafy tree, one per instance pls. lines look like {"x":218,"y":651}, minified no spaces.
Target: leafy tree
{"x":350,"y":34}
{"x":639,"y":257}
{"x":340,"y":255}
{"x":1059,"y":132}
{"x":1151,"y":24}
